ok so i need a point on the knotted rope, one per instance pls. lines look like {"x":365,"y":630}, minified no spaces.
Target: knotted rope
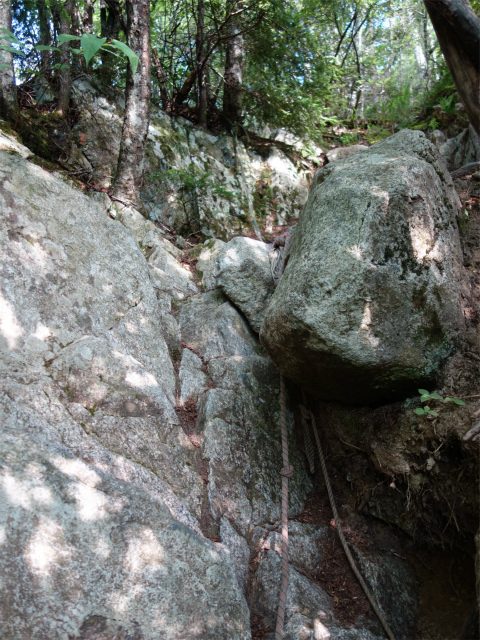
{"x":286,"y":473}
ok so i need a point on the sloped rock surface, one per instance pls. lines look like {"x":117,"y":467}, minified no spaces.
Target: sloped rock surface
{"x":370,"y":302}
{"x":340,"y":153}
{"x":139,"y":453}
{"x":238,"y":417}
{"x":100,"y":499}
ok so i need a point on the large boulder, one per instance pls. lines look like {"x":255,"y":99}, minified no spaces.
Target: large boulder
{"x":369,"y":305}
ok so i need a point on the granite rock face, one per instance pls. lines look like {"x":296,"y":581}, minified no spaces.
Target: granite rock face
{"x":139,"y":432}
{"x":194,"y":181}
{"x":340,"y":153}
{"x":100,"y":500}
{"x":369,"y":305}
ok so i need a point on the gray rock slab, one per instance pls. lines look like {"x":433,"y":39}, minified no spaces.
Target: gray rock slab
{"x":239,"y":417}
{"x":340,"y":153}
{"x":193,"y":380}
{"x":306,"y":601}
{"x":80,"y":545}
{"x":98,"y":488}
{"x":210,"y":325}
{"x":305,"y":545}
{"x":207,"y":263}
{"x":462,"y":149}
{"x":238,"y":549}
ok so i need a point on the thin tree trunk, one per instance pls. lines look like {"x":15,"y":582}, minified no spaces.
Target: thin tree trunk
{"x":136,"y":119}
{"x":161,"y":79}
{"x":45,"y":38}
{"x":426,"y":49}
{"x":60,"y":14}
{"x":233,"y":76}
{"x":110,"y":24}
{"x":184,"y":91}
{"x":8,"y":92}
{"x":110,"y":19}
{"x":75,"y":17}
{"x":458,"y":32}
{"x":87,"y":16}
{"x":202,"y":99}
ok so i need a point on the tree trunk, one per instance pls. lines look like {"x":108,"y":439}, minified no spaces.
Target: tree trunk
{"x":184,"y":91}
{"x":427,"y":50}
{"x":60,"y":14}
{"x":202,"y":99}
{"x":161,"y":79}
{"x":458,"y":32}
{"x":110,"y":24}
{"x":233,"y":76}
{"x":45,"y":38}
{"x":87,"y":16}
{"x":136,"y":119}
{"x":110,"y":19}
{"x":8,"y":92}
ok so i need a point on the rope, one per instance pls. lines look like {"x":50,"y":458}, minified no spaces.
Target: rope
{"x":346,"y":549}
{"x":286,"y":473}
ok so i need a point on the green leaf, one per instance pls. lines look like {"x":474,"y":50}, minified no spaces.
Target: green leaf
{"x":433,"y":413}
{"x":423,"y":392}
{"x":435,"y":396}
{"x":5,"y":34}
{"x":15,"y":52}
{"x":458,"y":401}
{"x":133,"y":59}
{"x":90,"y":45}
{"x":425,"y":397}
{"x":45,"y":47}
{"x":66,"y":37}
{"x":419,"y":411}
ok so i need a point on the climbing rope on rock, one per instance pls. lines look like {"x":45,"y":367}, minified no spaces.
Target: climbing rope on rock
{"x":307,"y":415}
{"x":286,"y":473}
{"x":378,"y":612}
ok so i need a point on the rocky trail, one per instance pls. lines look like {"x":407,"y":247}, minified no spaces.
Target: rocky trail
{"x":140,"y":455}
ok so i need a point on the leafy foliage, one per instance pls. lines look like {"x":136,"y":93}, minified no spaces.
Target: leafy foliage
{"x":309,"y":65}
{"x":428,"y":396}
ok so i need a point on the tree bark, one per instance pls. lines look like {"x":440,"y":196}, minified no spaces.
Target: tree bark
{"x":8,"y":92}
{"x":110,"y":25}
{"x":161,"y":79}
{"x":110,"y":19}
{"x":60,"y":14}
{"x":45,"y":38}
{"x":202,"y":98}
{"x":87,"y":16}
{"x":233,"y":76}
{"x":184,"y":91}
{"x":458,"y":32}
{"x":137,"y":107}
